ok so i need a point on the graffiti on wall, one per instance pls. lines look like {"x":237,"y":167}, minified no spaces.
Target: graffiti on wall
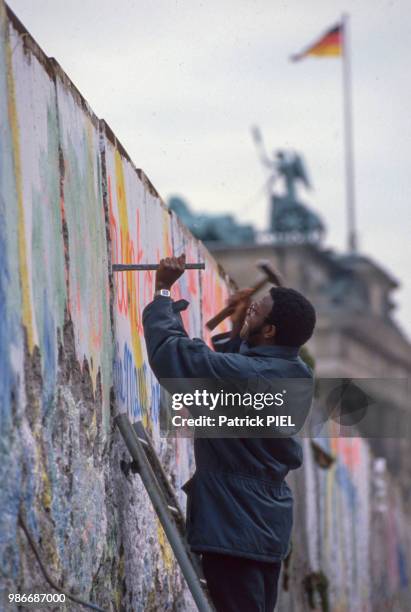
{"x":143,"y":230}
{"x":72,"y":202}
{"x":351,"y":539}
{"x":72,"y":353}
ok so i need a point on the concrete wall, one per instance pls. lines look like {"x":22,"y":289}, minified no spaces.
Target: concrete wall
{"x":72,"y":354}
{"x":72,"y":351}
{"x":351,"y":526}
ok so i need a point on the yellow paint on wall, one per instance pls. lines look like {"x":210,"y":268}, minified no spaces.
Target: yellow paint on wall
{"x":165,"y":548}
{"x":46,"y":497}
{"x":95,"y":334}
{"x":27,"y":317}
{"x":118,"y":594}
{"x":166,"y":234}
{"x":126,"y":257}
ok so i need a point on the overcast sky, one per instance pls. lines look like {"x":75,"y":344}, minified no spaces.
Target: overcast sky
{"x":180,"y":83}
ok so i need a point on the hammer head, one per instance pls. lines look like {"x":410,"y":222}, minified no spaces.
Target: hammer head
{"x":271,"y":275}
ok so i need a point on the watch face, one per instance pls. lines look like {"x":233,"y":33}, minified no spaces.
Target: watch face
{"x":165,"y":292}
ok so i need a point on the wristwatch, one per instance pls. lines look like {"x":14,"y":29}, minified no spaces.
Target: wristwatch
{"x":163,"y":292}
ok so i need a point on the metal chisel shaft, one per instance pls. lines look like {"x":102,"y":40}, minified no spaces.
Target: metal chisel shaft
{"x":143,"y":267}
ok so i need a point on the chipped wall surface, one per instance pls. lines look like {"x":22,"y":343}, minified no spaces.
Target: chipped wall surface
{"x":72,"y":349}
{"x":73,"y":354}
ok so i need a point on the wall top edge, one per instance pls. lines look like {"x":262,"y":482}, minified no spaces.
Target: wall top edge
{"x":112,"y":138}
{"x":28,"y":42}
{"x":144,"y":178}
{"x":50,"y":64}
{"x":77,"y":95}
{"x":56,"y":72}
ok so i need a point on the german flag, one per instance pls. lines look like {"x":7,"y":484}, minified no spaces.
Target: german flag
{"x":329,"y":45}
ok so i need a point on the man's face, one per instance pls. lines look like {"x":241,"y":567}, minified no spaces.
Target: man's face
{"x":255,"y":322}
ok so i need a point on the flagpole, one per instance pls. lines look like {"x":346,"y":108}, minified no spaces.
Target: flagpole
{"x":348,"y":137}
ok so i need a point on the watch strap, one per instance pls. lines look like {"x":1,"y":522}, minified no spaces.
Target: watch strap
{"x":163,"y":292}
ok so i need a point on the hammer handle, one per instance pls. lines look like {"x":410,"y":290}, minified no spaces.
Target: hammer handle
{"x":226,"y":311}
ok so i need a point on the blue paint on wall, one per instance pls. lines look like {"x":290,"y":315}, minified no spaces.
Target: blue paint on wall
{"x":126,"y":382}
{"x":49,"y":361}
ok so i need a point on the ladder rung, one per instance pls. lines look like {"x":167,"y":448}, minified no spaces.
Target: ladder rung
{"x":173,"y":509}
{"x":143,"y":441}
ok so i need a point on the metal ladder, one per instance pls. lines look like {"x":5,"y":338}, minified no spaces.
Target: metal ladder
{"x":146,"y":463}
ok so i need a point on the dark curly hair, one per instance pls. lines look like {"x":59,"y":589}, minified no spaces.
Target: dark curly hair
{"x":293,"y":316}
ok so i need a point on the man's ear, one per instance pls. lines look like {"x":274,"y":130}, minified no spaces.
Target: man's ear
{"x":269,"y":331}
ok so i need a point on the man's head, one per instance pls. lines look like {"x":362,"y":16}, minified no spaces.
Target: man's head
{"x":283,"y":317}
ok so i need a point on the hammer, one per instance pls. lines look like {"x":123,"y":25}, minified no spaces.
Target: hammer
{"x":270,"y":277}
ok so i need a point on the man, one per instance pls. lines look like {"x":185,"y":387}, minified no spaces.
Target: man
{"x":239,"y":508}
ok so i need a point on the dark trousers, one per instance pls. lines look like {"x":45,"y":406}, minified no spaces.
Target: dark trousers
{"x":236,"y":584}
